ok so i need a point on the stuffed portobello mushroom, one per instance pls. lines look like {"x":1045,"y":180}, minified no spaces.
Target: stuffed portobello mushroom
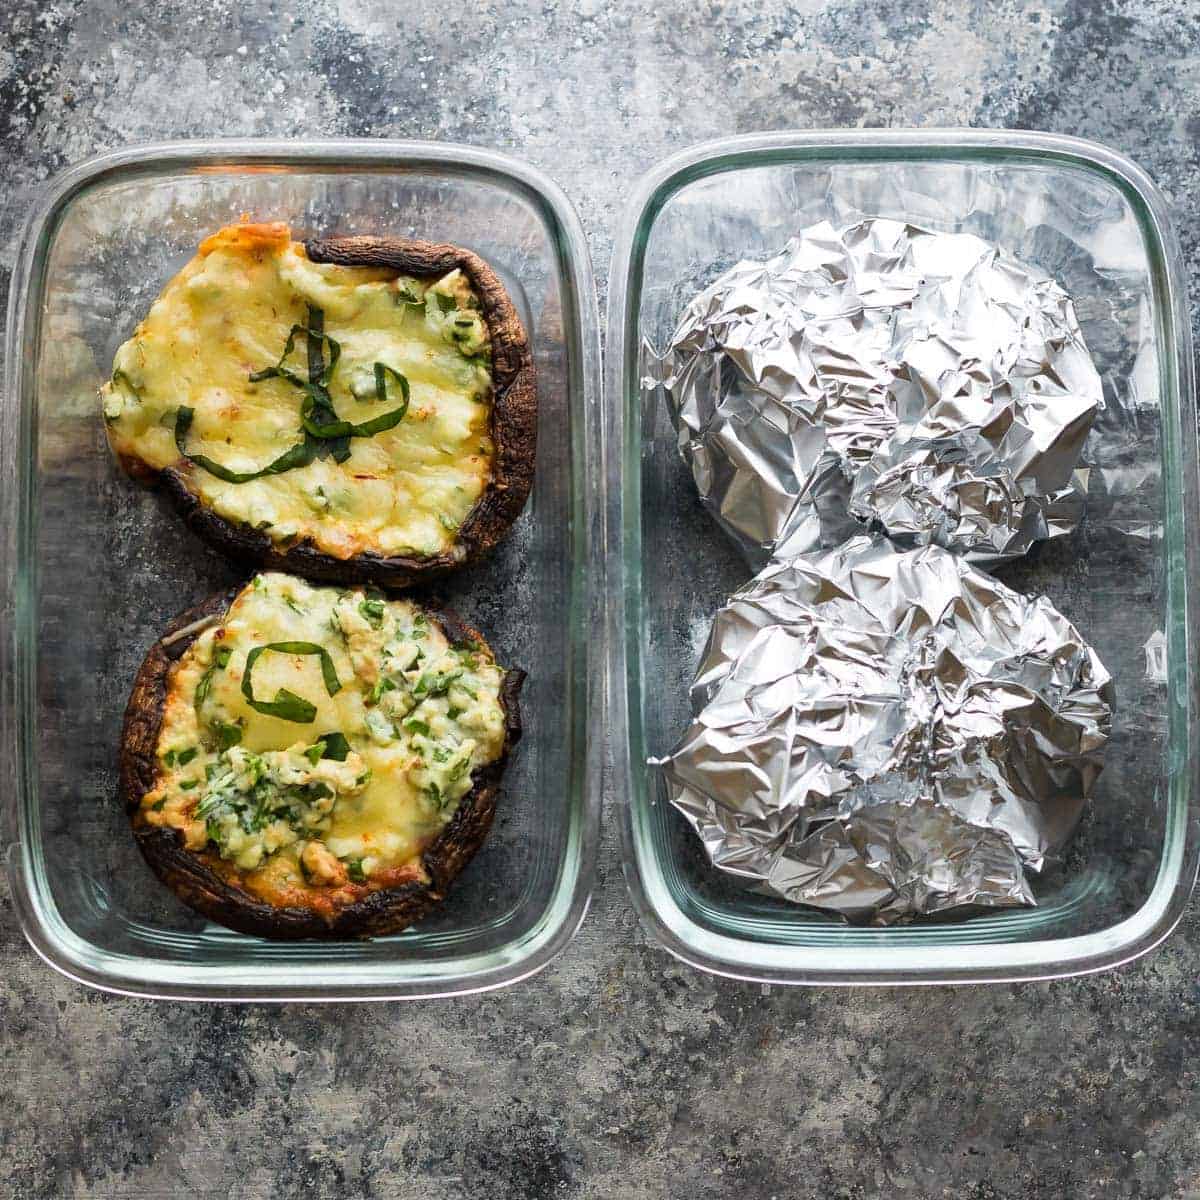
{"x":310,"y":762}
{"x":353,"y":410}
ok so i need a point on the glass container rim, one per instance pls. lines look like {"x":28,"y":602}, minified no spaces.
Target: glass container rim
{"x":734,"y":957}
{"x":538,"y":945}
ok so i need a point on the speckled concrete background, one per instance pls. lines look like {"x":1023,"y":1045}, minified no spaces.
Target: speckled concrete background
{"x":616,"y":1073}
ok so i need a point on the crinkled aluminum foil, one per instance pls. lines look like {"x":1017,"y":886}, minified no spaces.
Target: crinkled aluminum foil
{"x":883,"y":733}
{"x":923,"y":384}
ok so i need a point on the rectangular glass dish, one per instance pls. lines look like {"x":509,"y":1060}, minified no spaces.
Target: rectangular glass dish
{"x":1125,"y":578}
{"x":95,"y":565}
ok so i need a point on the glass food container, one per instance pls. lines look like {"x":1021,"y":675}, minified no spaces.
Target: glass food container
{"x":1126,"y":578}
{"x":95,"y":565}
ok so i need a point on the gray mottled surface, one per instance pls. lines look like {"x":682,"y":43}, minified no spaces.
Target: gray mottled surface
{"x":616,"y":1073}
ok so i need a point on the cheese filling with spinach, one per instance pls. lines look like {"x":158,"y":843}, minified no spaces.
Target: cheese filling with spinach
{"x":319,"y":737}
{"x":349,"y":406}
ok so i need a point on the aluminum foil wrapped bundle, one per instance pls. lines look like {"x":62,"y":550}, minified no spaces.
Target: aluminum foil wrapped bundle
{"x":885,"y":733}
{"x":882,"y":376}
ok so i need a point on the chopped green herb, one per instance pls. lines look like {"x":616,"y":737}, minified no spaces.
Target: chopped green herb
{"x":293,"y":605}
{"x":224,"y":654}
{"x":204,"y":687}
{"x":372,"y":611}
{"x":453,"y":713}
{"x":436,"y":685}
{"x":354,"y":869}
{"x":114,"y":401}
{"x":336,"y":746}
{"x":379,"y":726}
{"x":415,"y":726}
{"x":159,"y":805}
{"x":185,"y":756}
{"x":381,"y":685}
{"x":315,"y":752}
{"x":445,"y":303}
{"x":441,"y":754}
{"x":187,"y":785}
{"x":227,"y":735}
{"x":169,"y":758}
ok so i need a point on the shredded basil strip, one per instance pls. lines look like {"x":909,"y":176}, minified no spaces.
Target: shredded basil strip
{"x":319,"y":372}
{"x":339,"y":428}
{"x":299,"y":455}
{"x":204,"y":687}
{"x":382,"y":370}
{"x":324,"y":432}
{"x":317,"y":396}
{"x":287,"y":706}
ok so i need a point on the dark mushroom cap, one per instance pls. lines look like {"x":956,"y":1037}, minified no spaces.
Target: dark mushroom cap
{"x":513,"y":433}
{"x":202,"y":880}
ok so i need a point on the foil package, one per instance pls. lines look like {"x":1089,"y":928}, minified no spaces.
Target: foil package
{"x":882,"y":733}
{"x":883,"y":377}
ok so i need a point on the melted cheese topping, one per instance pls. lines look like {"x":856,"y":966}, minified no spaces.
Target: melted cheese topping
{"x":295,"y":810}
{"x":228,"y":314}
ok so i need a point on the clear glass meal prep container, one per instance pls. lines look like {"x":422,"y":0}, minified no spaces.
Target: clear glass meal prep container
{"x":95,"y":565}
{"x":1126,"y":578}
